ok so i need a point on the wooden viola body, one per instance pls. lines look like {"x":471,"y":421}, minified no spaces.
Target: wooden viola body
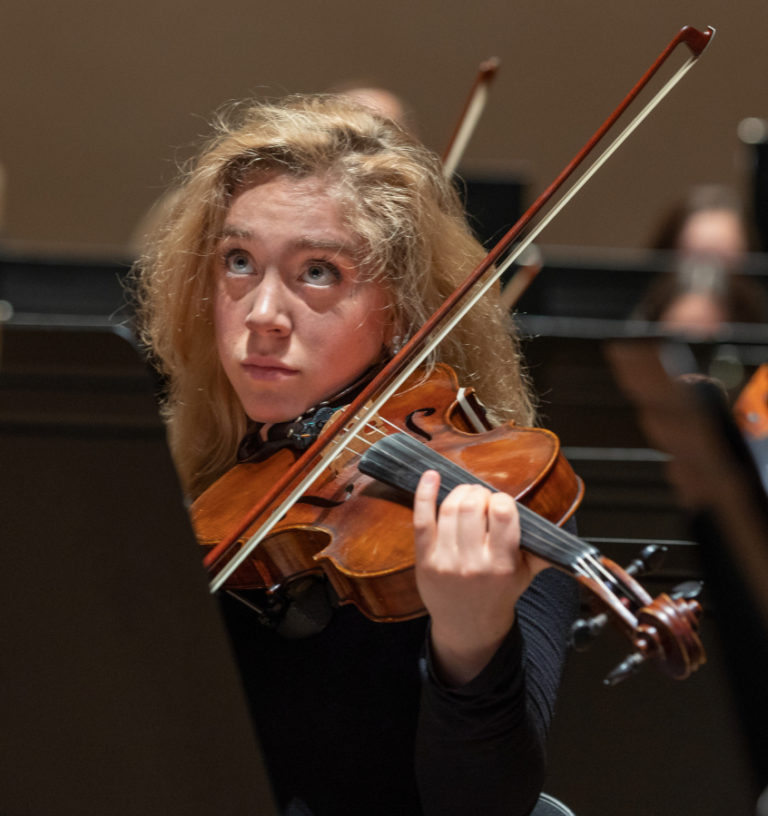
{"x":357,"y":530}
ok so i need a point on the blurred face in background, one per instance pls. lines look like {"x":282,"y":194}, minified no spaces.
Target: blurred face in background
{"x":714,"y":233}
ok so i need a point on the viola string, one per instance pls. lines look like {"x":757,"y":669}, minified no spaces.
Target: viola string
{"x":537,"y":530}
{"x":550,"y":538}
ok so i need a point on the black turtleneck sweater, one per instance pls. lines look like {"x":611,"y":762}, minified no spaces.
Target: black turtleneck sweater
{"x":353,"y":721}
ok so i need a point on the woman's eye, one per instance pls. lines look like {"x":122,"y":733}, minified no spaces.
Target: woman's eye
{"x":238,"y":263}
{"x":321,"y":274}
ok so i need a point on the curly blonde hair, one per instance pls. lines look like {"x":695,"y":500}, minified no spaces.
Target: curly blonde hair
{"x":395,"y":199}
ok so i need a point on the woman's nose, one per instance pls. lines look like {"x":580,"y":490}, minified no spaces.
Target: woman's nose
{"x":270,"y":308}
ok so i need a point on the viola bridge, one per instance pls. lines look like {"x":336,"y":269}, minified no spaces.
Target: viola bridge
{"x":373,"y":430}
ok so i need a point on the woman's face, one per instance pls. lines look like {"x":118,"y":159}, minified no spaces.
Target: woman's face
{"x":294,"y":323}
{"x":714,"y":233}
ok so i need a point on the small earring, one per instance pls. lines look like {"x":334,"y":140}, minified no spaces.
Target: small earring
{"x":396,"y":344}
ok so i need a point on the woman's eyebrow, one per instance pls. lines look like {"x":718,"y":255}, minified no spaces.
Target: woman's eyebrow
{"x":335,"y":246}
{"x":330,"y":244}
{"x":229,"y":231}
{"x":303,"y":242}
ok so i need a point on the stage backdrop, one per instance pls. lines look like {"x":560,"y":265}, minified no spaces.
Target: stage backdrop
{"x":101,"y":100}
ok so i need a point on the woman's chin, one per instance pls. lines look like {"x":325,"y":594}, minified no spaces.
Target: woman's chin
{"x":274,"y":413}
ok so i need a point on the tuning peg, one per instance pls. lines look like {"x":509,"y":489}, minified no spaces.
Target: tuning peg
{"x":690,"y":590}
{"x":585,"y":630}
{"x":625,"y":669}
{"x":649,"y":559}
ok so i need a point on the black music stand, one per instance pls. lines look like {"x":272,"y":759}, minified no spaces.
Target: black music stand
{"x":717,"y":481}
{"x":118,"y":691}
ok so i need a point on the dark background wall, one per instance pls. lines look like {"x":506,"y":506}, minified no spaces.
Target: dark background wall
{"x":100,"y":99}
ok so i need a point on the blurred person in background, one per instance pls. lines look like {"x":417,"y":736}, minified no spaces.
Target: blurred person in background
{"x":708,"y":237}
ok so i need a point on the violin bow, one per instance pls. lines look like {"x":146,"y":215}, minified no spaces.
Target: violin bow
{"x":470,"y":115}
{"x":224,"y":559}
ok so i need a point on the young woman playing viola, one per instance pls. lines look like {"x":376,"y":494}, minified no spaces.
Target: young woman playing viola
{"x":308,"y":241}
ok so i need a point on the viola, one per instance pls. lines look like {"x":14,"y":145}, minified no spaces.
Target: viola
{"x":355,"y":522}
{"x":354,"y":525}
{"x":343,"y":506}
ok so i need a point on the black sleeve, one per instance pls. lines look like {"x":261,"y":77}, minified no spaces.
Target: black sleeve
{"x":481,"y":748}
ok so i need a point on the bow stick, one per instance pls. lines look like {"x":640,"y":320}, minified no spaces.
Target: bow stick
{"x":224,"y":559}
{"x":470,"y":115}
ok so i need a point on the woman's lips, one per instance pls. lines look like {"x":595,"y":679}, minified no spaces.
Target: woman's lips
{"x":268,"y":370}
